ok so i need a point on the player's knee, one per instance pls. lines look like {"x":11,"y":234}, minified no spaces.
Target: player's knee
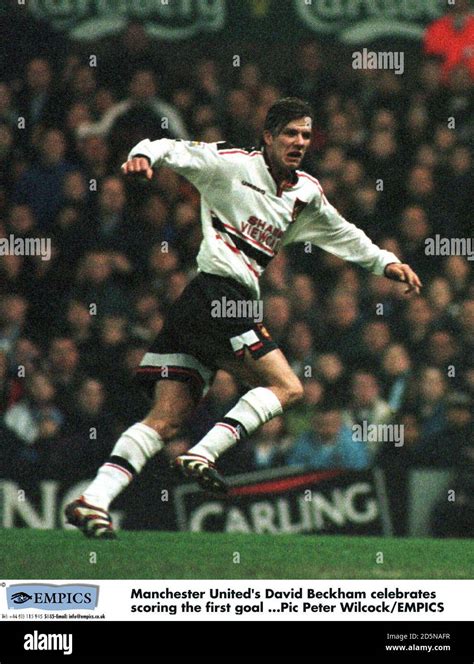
{"x":166,"y":428}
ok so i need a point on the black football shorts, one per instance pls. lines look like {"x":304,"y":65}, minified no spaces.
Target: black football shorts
{"x":214,"y":320}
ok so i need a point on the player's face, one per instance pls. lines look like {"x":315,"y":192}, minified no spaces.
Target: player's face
{"x":287,"y":149}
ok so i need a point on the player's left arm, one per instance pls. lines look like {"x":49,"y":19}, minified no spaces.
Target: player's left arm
{"x":322,"y":225}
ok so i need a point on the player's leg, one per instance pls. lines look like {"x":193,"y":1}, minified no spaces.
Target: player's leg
{"x":173,"y":403}
{"x":276,"y":387}
{"x":174,"y":379}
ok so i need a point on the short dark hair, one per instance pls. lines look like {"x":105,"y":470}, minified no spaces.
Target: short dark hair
{"x":284,"y":111}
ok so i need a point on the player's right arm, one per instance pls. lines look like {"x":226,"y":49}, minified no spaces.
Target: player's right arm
{"x":196,"y":161}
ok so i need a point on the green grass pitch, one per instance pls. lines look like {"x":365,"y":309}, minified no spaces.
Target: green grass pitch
{"x":59,"y":554}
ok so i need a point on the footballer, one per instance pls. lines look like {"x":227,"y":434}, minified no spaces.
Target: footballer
{"x":252,"y":203}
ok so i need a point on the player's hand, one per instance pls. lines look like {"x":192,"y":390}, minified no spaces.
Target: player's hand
{"x":403,"y":272}
{"x":138,"y":166}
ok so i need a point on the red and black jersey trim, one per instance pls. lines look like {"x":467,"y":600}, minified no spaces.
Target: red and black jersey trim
{"x":246,"y":248}
{"x":225,"y":145}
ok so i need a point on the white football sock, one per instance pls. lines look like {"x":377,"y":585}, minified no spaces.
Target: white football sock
{"x":252,"y":410}
{"x":133,"y":449}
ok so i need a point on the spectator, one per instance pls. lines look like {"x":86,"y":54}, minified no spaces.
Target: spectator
{"x":418,"y":318}
{"x":298,"y":419}
{"x":63,"y":366}
{"x":137,"y":52}
{"x":94,"y":154}
{"x":428,"y":396}
{"x":458,"y":273}
{"x":452,"y":446}
{"x":105,"y":354}
{"x":239,"y":111}
{"x":312,"y":76}
{"x":140,"y":115}
{"x":442,"y":350}
{"x":263,"y":451}
{"x":344,"y":326}
{"x":301,"y":348}
{"x":451,"y":38}
{"x":375,"y":339}
{"x":366,"y":405}
{"x":305,"y":301}
{"x":10,"y":387}
{"x":98,"y":283}
{"x":41,"y":186}
{"x":26,"y":356}
{"x":330,"y":370}
{"x":32,"y":417}
{"x":110,"y":226}
{"x":414,"y":229}
{"x":396,"y":371}
{"x":90,"y":428}
{"x":79,"y":324}
{"x":329,"y":444}
{"x":440,"y":298}
{"x":466,"y":320}
{"x":13,"y":312}
{"x":39,"y":102}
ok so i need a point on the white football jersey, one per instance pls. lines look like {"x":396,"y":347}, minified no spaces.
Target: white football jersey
{"x":246,"y":217}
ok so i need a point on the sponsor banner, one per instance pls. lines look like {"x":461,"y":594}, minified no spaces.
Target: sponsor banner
{"x":322,"y":502}
{"x":197,"y":600}
{"x":358,"y":21}
{"x":351,"y":21}
{"x":276,"y":501}
{"x":42,"y":505}
{"x":93,"y":19}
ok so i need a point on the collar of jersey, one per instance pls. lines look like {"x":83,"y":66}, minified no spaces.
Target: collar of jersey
{"x":287,"y":184}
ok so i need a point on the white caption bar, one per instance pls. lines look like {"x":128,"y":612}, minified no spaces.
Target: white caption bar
{"x":263,"y":600}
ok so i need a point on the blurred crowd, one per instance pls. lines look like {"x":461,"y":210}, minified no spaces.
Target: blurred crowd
{"x":73,"y":328}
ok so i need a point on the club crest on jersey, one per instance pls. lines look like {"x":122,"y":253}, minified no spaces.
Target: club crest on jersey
{"x":298,"y":207}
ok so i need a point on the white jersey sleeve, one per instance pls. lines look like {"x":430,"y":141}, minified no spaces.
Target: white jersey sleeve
{"x":322,"y":225}
{"x":196,"y":161}
{"x":246,"y":216}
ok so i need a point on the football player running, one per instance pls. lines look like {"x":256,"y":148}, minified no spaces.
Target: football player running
{"x":252,"y":203}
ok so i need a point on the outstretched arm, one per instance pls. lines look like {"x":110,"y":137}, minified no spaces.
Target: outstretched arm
{"x":195,"y":160}
{"x":322,"y":225}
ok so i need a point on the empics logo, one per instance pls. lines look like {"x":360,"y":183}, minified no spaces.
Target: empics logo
{"x":51,"y":597}
{"x":21,"y":598}
{"x":38,"y":641}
